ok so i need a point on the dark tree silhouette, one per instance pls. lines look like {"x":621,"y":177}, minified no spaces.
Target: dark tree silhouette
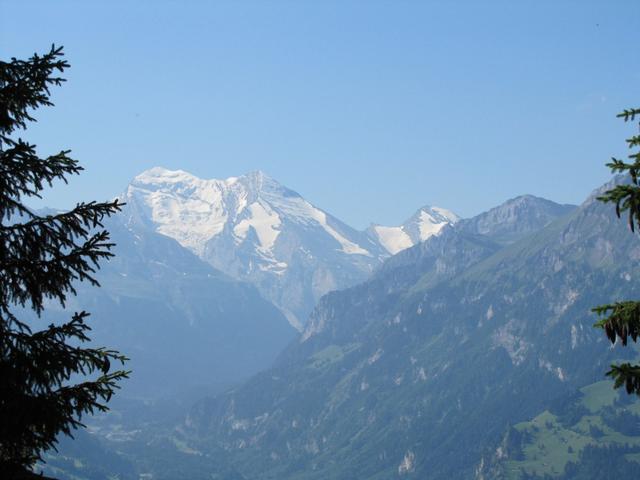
{"x":621,"y":320}
{"x":48,"y":378}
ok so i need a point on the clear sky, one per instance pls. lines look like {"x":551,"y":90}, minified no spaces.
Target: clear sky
{"x":369,"y":109}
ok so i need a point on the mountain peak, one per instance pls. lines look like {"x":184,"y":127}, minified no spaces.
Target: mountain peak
{"x":516,"y":218}
{"x":426,"y":222}
{"x":253,"y":228}
{"x":435,"y":215}
{"x":258,"y":175}
{"x":259,"y":182}
{"x":255,"y":179}
{"x":163,"y":175}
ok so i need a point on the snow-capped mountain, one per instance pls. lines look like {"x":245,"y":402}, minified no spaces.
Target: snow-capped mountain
{"x":255,"y":229}
{"x":426,"y":222}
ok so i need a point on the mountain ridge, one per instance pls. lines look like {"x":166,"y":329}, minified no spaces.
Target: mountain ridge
{"x":255,"y":229}
{"x":406,"y":373}
{"x":380,"y":353}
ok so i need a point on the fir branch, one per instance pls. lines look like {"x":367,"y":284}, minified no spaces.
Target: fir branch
{"x":626,"y":198}
{"x":628,"y":375}
{"x":24,"y":174}
{"x":24,"y":86}
{"x":629,"y":115}
{"x":621,"y":320}
{"x":41,"y":257}
{"x":51,"y":273}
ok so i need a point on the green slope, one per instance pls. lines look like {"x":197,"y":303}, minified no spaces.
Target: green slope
{"x":599,"y":422}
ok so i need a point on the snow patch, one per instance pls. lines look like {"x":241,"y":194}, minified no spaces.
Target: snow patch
{"x":240,"y":425}
{"x":490,"y":313}
{"x":574,"y":337}
{"x":425,"y":223}
{"x":183,"y":207}
{"x":375,"y":357}
{"x":453,"y":218}
{"x":265,"y":222}
{"x":570,"y":299}
{"x":429,"y":226}
{"x":347,"y":246}
{"x":393,"y":239}
{"x":408,"y":463}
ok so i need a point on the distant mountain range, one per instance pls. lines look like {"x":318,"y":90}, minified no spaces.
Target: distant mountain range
{"x":420,"y":371}
{"x":470,"y":354}
{"x":207,"y":274}
{"x":256,"y":230}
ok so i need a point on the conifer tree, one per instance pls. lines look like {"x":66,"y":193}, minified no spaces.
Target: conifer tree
{"x":621,"y":320}
{"x":49,"y":377}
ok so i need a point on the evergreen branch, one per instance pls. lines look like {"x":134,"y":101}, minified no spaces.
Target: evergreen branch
{"x":50,"y":274}
{"x":629,"y":114}
{"x":10,"y":322}
{"x":627,"y":375}
{"x":11,"y":207}
{"x":44,"y":250}
{"x":86,"y":396}
{"x":626,"y":198}
{"x":633,"y":141}
{"x":44,"y":236}
{"x":24,"y":174}
{"x":621,"y":320}
{"x":24,"y":86}
{"x":40,"y":258}
{"x":618,"y":166}
{"x":69,"y":402}
{"x":50,"y":359}
{"x":88,"y":215}
{"x":47,"y":362}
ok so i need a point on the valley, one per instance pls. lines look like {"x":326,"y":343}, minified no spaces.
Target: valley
{"x":445,"y":347}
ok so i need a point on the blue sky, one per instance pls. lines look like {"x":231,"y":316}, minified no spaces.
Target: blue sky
{"x":368,"y":109}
